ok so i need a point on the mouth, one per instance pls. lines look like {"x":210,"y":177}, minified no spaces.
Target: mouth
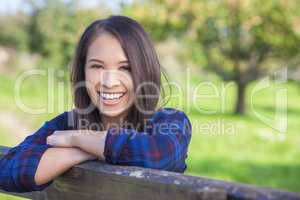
{"x":111,"y":98}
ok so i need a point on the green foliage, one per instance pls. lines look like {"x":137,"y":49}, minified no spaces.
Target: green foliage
{"x":52,"y":30}
{"x":245,"y":32}
{"x":163,"y":19}
{"x":55,"y":28}
{"x":13,"y":33}
{"x":238,"y":40}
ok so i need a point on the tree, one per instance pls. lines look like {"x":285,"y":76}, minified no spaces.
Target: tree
{"x":13,"y":32}
{"x":55,"y":27}
{"x":239,"y":40}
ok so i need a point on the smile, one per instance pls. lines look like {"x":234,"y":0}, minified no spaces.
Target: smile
{"x":111,"y":98}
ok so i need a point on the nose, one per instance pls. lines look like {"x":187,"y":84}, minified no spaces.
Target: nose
{"x":110,"y":79}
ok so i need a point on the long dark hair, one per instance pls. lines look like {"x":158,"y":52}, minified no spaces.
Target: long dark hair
{"x":145,"y":67}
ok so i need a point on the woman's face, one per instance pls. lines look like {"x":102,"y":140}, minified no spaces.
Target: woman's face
{"x":108,"y":77}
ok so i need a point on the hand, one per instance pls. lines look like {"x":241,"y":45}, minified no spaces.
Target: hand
{"x":69,"y":138}
{"x":91,"y":141}
{"x":80,"y":137}
{"x":61,"y":138}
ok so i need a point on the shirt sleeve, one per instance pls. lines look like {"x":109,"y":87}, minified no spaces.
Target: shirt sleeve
{"x":164,"y":147}
{"x":19,"y":164}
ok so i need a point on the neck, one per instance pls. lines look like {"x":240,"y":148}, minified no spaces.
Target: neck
{"x":109,"y":121}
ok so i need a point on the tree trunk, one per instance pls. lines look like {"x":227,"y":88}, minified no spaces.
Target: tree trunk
{"x":240,"y":101}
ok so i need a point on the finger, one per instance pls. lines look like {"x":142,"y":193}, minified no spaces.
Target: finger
{"x":59,"y":141}
{"x":64,"y":132}
{"x":50,"y":140}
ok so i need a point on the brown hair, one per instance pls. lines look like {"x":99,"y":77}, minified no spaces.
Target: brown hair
{"x":142,"y":58}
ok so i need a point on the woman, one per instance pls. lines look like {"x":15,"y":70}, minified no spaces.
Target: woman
{"x":116,"y":85}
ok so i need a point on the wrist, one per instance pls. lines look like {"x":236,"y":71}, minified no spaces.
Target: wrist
{"x":92,"y":142}
{"x":75,"y":139}
{"x":81,"y":156}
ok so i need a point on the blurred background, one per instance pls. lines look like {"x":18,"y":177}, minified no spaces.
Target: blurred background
{"x":233,"y":65}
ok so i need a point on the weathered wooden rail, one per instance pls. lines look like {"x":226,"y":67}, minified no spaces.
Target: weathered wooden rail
{"x":98,"y":180}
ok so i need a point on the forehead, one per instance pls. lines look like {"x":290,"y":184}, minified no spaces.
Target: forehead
{"x":107,"y":48}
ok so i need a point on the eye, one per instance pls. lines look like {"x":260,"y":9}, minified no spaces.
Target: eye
{"x":96,"y":66}
{"x":125,"y":67}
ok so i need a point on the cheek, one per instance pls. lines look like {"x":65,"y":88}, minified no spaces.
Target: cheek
{"x":130,"y":90}
{"x":90,"y":83}
{"x":127,"y":80}
{"x":91,"y":79}
{"x":90,"y":76}
{"x":130,"y":87}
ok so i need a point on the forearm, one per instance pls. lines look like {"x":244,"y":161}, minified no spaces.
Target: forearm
{"x":55,"y":161}
{"x":92,"y":143}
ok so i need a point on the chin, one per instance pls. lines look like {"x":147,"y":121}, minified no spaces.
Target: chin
{"x":112,"y":112}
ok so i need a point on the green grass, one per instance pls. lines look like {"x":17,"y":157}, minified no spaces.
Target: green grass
{"x":10,"y":197}
{"x":239,"y":148}
{"x":254,"y":152}
{"x":249,"y":155}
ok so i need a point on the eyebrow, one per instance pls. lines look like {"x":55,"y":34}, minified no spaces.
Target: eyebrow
{"x":101,"y":61}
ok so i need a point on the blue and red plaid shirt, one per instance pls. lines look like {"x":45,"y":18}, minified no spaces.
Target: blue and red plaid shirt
{"x":162,"y":146}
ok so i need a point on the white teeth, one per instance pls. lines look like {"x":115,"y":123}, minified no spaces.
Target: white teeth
{"x":111,"y":96}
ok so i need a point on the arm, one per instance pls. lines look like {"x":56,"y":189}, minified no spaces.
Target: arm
{"x":56,"y":161}
{"x":19,"y":165}
{"x":90,"y":141}
{"x":163,"y":147}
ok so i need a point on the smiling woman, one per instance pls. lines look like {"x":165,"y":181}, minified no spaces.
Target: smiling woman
{"x":116,"y":84}
{"x":119,"y":61}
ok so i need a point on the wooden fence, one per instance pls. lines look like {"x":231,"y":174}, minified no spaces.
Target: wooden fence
{"x":98,"y":180}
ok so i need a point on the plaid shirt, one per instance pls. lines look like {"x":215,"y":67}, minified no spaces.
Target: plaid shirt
{"x":162,"y":145}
